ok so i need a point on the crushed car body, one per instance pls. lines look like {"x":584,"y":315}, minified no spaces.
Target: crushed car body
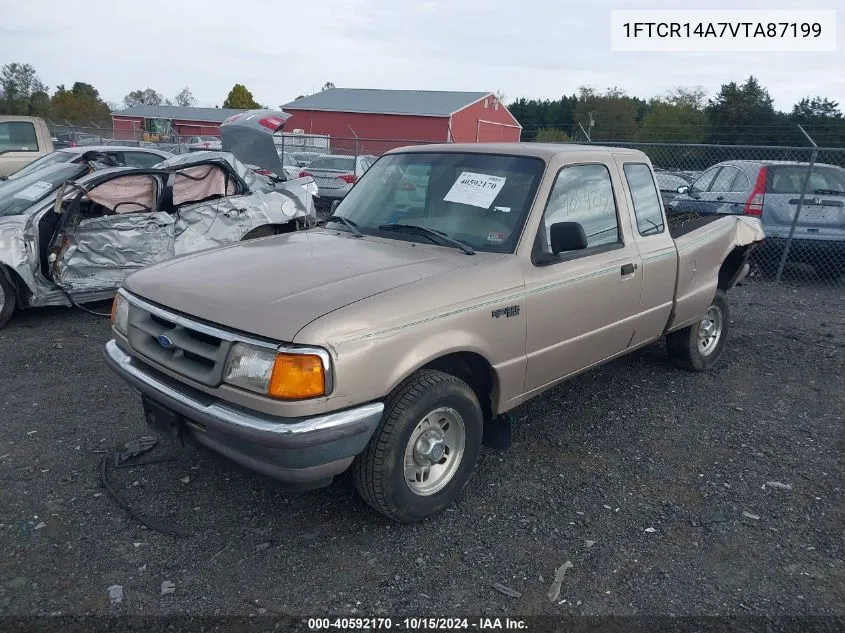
{"x":70,"y":233}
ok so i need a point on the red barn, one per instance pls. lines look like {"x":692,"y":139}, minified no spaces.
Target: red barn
{"x":185,"y":121}
{"x":404,"y":115}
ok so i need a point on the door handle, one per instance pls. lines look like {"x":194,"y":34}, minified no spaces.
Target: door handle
{"x":628,"y":269}
{"x":720,"y":197}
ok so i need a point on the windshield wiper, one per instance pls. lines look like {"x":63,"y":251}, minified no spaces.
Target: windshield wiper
{"x":349,"y":224}
{"x":435,"y":236}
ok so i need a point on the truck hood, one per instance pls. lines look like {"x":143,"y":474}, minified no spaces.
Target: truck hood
{"x":273,"y":287}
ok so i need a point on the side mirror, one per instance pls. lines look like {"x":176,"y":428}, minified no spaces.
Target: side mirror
{"x":334,"y":206}
{"x":567,"y":236}
{"x":683,"y":189}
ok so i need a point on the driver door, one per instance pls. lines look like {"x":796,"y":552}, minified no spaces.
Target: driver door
{"x":109,"y":231}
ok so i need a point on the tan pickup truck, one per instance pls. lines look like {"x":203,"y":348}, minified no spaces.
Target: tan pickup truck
{"x":452,"y":284}
{"x":22,"y":140}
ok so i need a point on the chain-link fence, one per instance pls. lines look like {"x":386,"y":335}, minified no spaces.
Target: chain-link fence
{"x":798,"y":193}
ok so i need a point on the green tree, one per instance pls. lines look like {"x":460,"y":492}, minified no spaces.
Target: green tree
{"x":82,"y":103}
{"x":240,"y":99}
{"x":148,"y":96}
{"x":821,"y":118}
{"x":693,"y":98}
{"x":679,"y":116}
{"x":21,"y":88}
{"x":608,"y":115}
{"x":743,"y":114}
{"x":536,"y":114}
{"x":551,"y":135}
{"x":816,"y":108}
{"x":328,"y":86}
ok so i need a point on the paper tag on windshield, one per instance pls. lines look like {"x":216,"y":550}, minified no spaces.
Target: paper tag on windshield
{"x":34,"y":191}
{"x":478,"y":190}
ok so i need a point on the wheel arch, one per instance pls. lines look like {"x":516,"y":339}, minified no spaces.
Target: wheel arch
{"x":734,"y":267}
{"x":471,"y":367}
{"x":22,"y":291}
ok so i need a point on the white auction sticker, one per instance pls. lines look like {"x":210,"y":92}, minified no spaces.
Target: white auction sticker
{"x":34,"y":191}
{"x":478,"y":190}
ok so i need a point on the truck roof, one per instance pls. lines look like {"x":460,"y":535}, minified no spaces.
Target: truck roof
{"x":540,"y":150}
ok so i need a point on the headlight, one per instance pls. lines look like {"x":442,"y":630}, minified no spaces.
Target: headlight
{"x":120,"y":313}
{"x":282,"y":375}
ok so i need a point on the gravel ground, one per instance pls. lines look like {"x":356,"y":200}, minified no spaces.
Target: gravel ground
{"x":650,"y":480}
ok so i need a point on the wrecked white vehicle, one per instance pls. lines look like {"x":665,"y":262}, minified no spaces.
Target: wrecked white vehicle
{"x":69,"y":235}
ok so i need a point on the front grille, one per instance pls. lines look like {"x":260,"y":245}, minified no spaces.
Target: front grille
{"x":176,"y":345}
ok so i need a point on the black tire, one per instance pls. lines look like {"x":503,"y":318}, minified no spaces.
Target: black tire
{"x":683,"y":346}
{"x":379,"y":472}
{"x":8,"y":299}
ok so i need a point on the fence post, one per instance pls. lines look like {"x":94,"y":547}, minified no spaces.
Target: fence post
{"x":804,"y":186}
{"x":589,"y":140}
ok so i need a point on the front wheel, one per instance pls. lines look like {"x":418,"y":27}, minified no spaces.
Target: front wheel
{"x":8,"y":299}
{"x":698,"y":347}
{"x":424,"y":450}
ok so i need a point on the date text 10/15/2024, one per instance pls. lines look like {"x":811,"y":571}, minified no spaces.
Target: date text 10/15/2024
{"x":417,"y":624}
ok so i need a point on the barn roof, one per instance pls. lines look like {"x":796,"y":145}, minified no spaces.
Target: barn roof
{"x":210,"y":115}
{"x":439,"y":103}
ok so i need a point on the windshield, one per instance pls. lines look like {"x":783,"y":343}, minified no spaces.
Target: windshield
{"x":50,"y":159}
{"x":481,"y":200}
{"x":16,"y":196}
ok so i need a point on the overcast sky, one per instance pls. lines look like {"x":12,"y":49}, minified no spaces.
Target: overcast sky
{"x":531,"y":48}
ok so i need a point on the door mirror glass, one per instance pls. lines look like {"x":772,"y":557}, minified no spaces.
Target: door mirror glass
{"x":683,"y":189}
{"x":335,"y":203}
{"x":567,"y":236}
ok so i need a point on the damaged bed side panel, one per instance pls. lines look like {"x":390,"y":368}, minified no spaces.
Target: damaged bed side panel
{"x":701,"y":253}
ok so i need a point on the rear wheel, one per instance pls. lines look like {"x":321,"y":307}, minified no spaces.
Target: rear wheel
{"x":698,"y":347}
{"x":424,"y":450}
{"x":8,"y":299}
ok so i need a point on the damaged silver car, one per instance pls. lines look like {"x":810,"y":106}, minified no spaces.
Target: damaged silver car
{"x":69,"y":234}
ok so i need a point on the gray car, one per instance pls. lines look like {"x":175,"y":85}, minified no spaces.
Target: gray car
{"x":770,"y":190}
{"x":112,"y":154}
{"x":335,"y":174}
{"x":669,"y":182}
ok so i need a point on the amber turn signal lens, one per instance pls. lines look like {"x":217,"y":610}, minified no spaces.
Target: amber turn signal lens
{"x":297,"y":376}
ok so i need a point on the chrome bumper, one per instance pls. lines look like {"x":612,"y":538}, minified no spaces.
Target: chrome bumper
{"x":296,"y":450}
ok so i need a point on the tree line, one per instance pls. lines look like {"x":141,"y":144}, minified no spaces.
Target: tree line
{"x":739,"y":113}
{"x":22,"y":92}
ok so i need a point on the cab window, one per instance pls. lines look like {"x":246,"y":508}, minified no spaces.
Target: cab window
{"x":583,"y":194}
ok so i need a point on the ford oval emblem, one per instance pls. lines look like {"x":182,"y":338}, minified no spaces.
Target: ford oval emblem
{"x":165,"y":341}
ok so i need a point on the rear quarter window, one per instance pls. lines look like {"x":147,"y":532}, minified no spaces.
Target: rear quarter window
{"x":647,"y":207}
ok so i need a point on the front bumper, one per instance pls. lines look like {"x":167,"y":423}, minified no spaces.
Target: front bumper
{"x":304,"y":452}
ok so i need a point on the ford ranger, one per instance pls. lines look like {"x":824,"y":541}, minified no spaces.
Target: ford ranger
{"x":453,"y":283}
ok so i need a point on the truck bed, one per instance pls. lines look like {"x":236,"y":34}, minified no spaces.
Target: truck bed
{"x":703,"y":244}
